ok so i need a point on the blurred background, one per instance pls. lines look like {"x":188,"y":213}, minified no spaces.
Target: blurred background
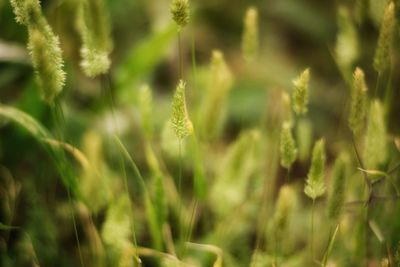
{"x":293,"y":35}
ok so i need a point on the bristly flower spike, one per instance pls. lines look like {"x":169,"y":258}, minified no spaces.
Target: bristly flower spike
{"x":358,"y":102}
{"x":43,"y":46}
{"x":250,"y":34}
{"x":180,"y":12}
{"x":300,"y":93}
{"x":315,"y":185}
{"x":375,"y":148}
{"x":288,"y":150}
{"x":180,"y":121}
{"x":384,"y":48}
{"x":93,"y":26}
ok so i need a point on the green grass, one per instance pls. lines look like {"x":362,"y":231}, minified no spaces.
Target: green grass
{"x":119,"y":166}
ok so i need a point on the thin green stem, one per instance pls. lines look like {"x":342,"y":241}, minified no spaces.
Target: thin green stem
{"x":59,"y":121}
{"x":180,"y":55}
{"x":75,"y":228}
{"x":312,"y":231}
{"x":181,"y":225}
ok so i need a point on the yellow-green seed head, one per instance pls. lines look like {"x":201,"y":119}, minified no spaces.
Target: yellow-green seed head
{"x":180,"y":12}
{"x":300,"y":92}
{"x":94,"y":28}
{"x":358,"y":102}
{"x":47,"y":61}
{"x":180,"y":121}
{"x":384,"y":48}
{"x":284,"y":207}
{"x":213,"y":104}
{"x":347,"y":47}
{"x":375,"y":148}
{"x":315,"y":185}
{"x":250,"y":34}
{"x":288,"y":150}
{"x":24,"y":9}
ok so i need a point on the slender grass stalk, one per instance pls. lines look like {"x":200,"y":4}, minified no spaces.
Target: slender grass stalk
{"x":312,"y":232}
{"x":59,"y":121}
{"x":75,"y":228}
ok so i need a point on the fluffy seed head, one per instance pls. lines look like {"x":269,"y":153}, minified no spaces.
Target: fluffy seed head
{"x":300,"y":93}
{"x":384,"y":48}
{"x":180,"y":12}
{"x":315,"y":185}
{"x":213,"y":103}
{"x":375,"y":149}
{"x":180,"y":121}
{"x":93,"y":27}
{"x":288,"y":150}
{"x":347,"y":47}
{"x":358,"y":102}
{"x":47,"y":61}
{"x":250,"y":34}
{"x":284,"y":207}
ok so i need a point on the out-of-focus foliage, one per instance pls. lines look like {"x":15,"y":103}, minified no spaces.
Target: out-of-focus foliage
{"x":125,"y":164}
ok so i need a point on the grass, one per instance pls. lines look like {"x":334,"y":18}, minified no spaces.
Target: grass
{"x":125,"y":168}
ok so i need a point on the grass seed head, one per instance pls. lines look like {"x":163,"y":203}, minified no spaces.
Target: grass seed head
{"x":180,"y":12}
{"x":47,"y":60}
{"x":386,"y":34}
{"x":358,"y":102}
{"x":300,"y":93}
{"x":375,"y":148}
{"x":250,"y":34}
{"x":315,"y":185}
{"x":288,"y":150}
{"x":180,"y":121}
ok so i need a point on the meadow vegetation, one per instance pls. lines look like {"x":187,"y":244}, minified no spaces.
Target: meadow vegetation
{"x":199,"y":133}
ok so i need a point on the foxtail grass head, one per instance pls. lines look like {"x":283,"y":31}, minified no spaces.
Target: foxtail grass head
{"x":250,"y":34}
{"x":43,"y":47}
{"x":180,"y":12}
{"x":180,"y":121}
{"x":94,"y":28}
{"x":284,"y":207}
{"x":300,"y":93}
{"x":47,"y":61}
{"x":315,"y":185}
{"x":359,"y":100}
{"x":385,"y":42}
{"x":288,"y":150}
{"x":347,"y":46}
{"x":375,"y":148}
{"x":211,"y":117}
